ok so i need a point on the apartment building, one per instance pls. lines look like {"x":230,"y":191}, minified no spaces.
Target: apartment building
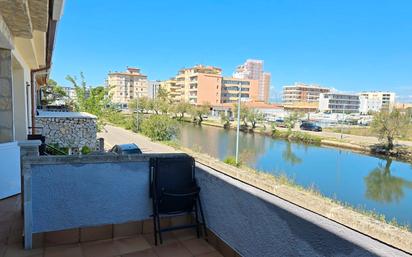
{"x":127,"y":85}
{"x":266,"y":86}
{"x":200,"y":84}
{"x":253,"y":70}
{"x":303,"y":93}
{"x":340,"y":102}
{"x":231,"y":87}
{"x":176,"y":91}
{"x":153,"y":87}
{"x":379,"y":100}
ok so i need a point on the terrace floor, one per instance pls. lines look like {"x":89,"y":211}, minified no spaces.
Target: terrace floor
{"x":176,"y":244}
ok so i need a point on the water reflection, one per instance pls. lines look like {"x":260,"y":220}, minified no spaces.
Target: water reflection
{"x":289,"y":156}
{"x":381,"y":186}
{"x":360,"y":180}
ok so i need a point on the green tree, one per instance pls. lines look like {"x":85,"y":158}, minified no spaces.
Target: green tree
{"x":93,"y":100}
{"x":159,"y":105}
{"x":182,"y":108}
{"x":198,"y":112}
{"x":159,"y":127}
{"x":225,"y":120}
{"x":254,"y":117}
{"x":53,"y":92}
{"x":163,"y":94}
{"x":390,"y":125}
{"x":142,"y":103}
{"x":244,"y":113}
{"x":291,"y":120}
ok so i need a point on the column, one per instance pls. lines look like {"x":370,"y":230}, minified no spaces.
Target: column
{"x":6,"y":97}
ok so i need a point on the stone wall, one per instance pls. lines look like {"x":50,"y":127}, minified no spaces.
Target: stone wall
{"x":6,"y":104}
{"x":74,"y":131}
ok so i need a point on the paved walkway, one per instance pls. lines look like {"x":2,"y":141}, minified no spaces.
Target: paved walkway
{"x":114,"y":135}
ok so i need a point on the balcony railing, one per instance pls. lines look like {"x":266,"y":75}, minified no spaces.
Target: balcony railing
{"x":66,"y":193}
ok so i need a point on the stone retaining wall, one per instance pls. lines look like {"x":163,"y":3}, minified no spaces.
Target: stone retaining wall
{"x":71,"y":132}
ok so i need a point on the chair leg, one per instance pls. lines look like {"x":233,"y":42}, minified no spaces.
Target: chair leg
{"x":203,"y":216}
{"x":158,"y":229}
{"x":155,"y":228}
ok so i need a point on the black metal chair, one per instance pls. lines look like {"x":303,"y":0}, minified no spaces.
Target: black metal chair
{"x":174,"y":191}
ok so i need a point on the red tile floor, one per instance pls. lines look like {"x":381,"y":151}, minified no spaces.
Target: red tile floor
{"x":176,"y":244}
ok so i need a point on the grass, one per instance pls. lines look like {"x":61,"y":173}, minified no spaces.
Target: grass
{"x":297,"y":136}
{"x":364,"y":131}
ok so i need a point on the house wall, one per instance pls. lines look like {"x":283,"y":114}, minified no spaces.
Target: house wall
{"x":71,"y":192}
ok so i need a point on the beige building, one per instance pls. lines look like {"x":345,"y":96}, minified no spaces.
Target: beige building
{"x":230,"y":90}
{"x":253,"y":70}
{"x":127,"y":85}
{"x":27,"y":31}
{"x":303,"y":93}
{"x":205,"y":84}
{"x":176,"y":91}
{"x":378,"y":100}
{"x":200,"y":84}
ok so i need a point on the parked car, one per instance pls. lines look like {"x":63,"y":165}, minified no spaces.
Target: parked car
{"x":126,"y":149}
{"x":310,"y":126}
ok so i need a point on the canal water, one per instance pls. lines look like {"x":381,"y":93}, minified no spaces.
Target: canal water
{"x":363,"y":181}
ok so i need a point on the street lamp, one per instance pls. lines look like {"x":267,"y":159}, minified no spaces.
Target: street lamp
{"x":137,"y":113}
{"x":238,"y":123}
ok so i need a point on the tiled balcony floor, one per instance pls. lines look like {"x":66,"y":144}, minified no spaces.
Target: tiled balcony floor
{"x":176,"y":244}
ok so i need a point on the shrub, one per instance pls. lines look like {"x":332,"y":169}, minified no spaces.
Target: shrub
{"x":231,"y":160}
{"x":159,"y":127}
{"x":85,"y":150}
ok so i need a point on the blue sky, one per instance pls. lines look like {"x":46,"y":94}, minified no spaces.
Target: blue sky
{"x":349,"y":45}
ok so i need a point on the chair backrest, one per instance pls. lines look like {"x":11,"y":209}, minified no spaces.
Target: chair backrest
{"x":172,"y":175}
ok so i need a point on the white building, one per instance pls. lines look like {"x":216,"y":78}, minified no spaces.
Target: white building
{"x":378,"y":100}
{"x":340,"y":102}
{"x":153,"y":88}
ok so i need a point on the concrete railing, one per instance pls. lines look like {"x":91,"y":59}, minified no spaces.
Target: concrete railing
{"x":71,"y":192}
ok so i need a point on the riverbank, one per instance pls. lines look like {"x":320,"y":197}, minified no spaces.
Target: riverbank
{"x":359,"y":144}
{"x":366,"y":222}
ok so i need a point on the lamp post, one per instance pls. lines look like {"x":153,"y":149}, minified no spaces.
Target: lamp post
{"x":238,"y":123}
{"x":137,"y":113}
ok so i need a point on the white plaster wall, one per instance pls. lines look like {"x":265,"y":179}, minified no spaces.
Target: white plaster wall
{"x":9,"y":169}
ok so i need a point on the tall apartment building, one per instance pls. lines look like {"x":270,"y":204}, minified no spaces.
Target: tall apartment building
{"x":200,"y":84}
{"x":253,"y":69}
{"x":205,"y":84}
{"x":340,"y":102}
{"x":378,"y":100}
{"x":127,"y":85}
{"x":303,"y":93}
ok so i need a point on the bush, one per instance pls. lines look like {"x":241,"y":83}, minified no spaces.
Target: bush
{"x":85,"y":150}
{"x":231,"y":160}
{"x":159,"y":127}
{"x":297,"y":136}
